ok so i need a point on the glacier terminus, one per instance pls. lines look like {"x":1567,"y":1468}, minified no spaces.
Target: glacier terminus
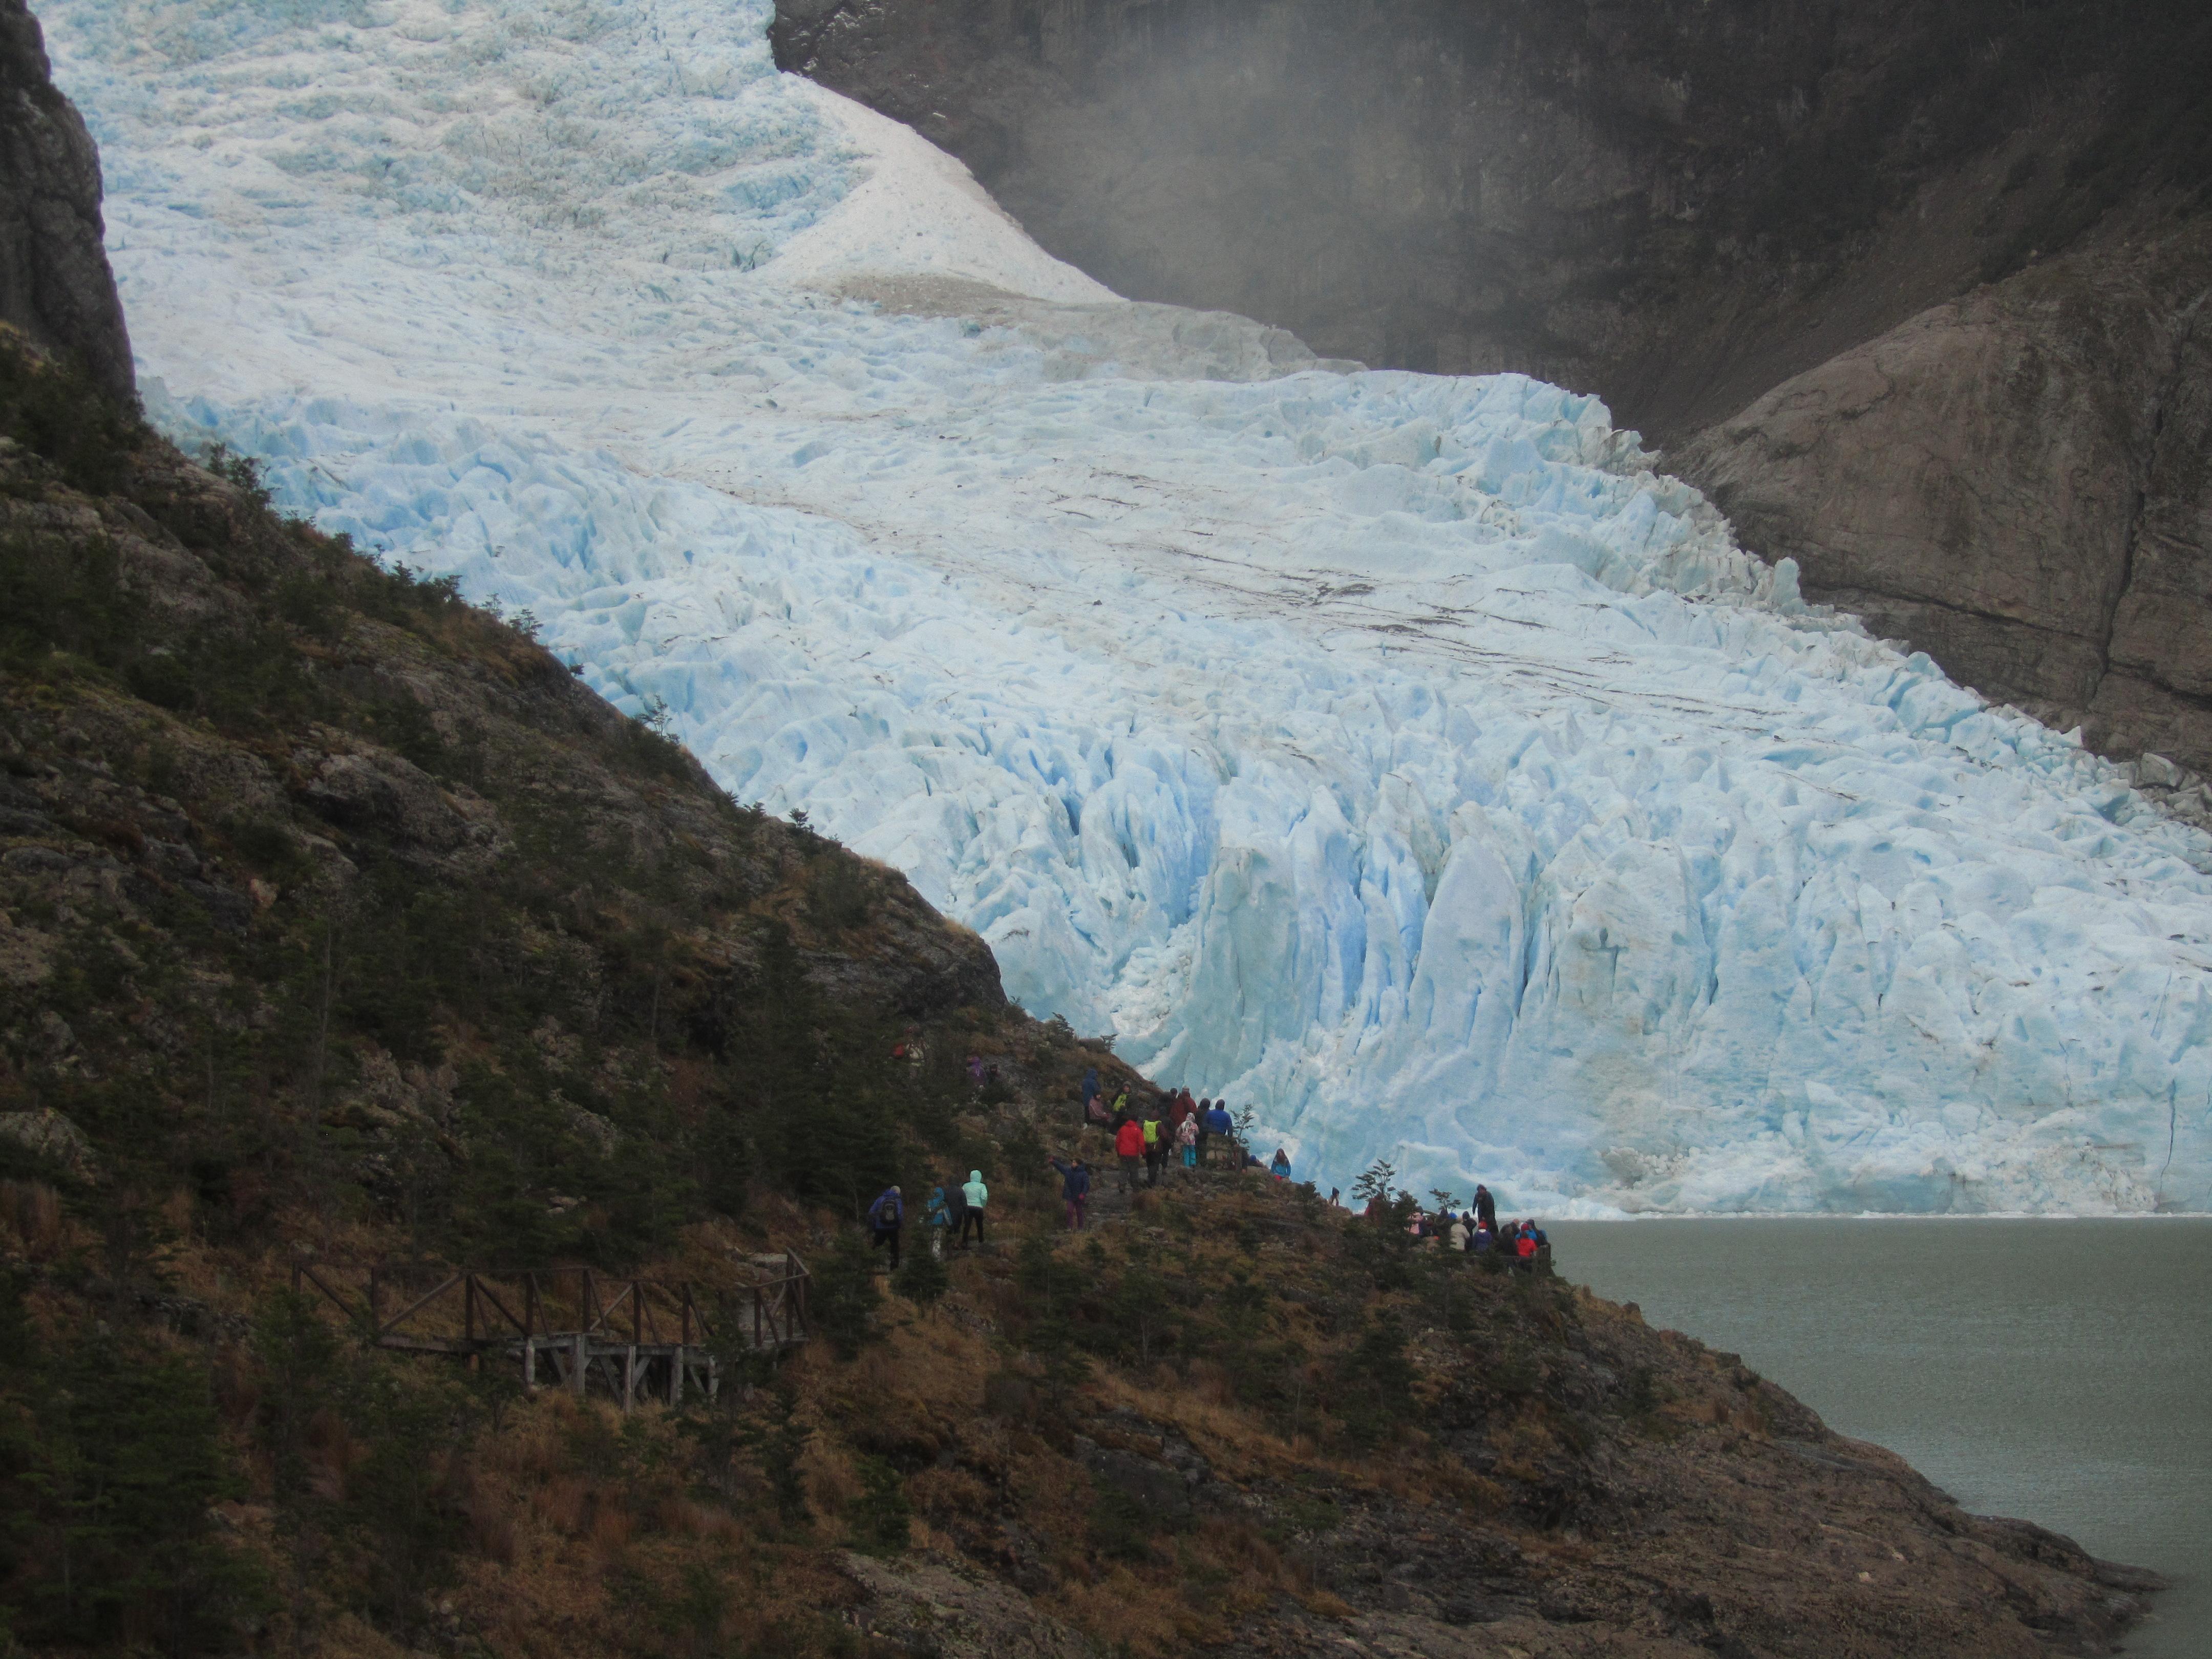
{"x":1406,"y":757}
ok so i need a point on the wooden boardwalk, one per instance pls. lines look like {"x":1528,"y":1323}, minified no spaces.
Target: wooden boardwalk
{"x":631,"y":1339}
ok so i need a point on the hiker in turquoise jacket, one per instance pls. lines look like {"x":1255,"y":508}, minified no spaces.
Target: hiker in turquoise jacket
{"x":937,"y":1219}
{"x":977,"y":1196}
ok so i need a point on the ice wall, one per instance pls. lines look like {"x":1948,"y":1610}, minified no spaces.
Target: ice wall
{"x":1399,"y":754}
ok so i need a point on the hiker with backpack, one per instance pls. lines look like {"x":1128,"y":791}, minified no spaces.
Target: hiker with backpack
{"x":1155,"y":1145}
{"x":1186,"y":1141}
{"x":885,"y":1217}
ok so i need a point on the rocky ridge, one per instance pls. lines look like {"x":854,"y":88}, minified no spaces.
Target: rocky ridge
{"x":55,"y":285}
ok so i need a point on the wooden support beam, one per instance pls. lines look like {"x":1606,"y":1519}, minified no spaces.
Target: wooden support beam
{"x":485,"y":1292}
{"x":336,"y":1299}
{"x":416,"y":1307}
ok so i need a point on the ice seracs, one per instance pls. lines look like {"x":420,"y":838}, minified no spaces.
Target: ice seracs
{"x":1403,"y":754}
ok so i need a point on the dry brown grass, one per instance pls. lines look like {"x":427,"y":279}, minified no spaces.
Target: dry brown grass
{"x":1148,"y":1617}
{"x":30,"y":1220}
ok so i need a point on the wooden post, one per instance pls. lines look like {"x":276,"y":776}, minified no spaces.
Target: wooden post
{"x":583,"y":1359}
{"x":529,"y":1306}
{"x":530,"y":1364}
{"x":630,"y":1375}
{"x":636,"y":1313}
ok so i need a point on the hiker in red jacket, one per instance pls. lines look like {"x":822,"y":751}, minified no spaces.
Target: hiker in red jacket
{"x":1129,"y":1148}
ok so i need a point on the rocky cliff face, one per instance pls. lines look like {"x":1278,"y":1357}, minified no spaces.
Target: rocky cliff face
{"x":55,"y":285}
{"x":2016,"y":481}
{"x":1687,"y":208}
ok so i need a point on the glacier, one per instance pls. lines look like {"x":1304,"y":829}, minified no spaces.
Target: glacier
{"x":1405,"y":756}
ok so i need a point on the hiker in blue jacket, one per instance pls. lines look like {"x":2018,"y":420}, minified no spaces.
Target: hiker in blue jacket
{"x":1217,"y":1123}
{"x":1074,"y":1189}
{"x":885,"y":1217}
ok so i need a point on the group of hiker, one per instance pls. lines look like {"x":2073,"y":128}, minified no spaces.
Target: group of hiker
{"x":957,"y":1208}
{"x":1475,"y":1230}
{"x":1173,"y":1130}
{"x":1169,"y":1129}
{"x":1138,"y":1138}
{"x":1173,"y":1127}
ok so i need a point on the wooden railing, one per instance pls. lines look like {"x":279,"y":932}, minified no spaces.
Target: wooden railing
{"x":635,"y":1337}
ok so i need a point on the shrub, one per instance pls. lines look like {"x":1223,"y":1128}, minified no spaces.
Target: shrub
{"x":924,"y":1278}
{"x":842,"y":1297}
{"x":881,"y":1514}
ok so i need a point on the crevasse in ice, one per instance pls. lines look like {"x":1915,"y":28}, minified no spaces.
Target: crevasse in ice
{"x":1402,"y":755}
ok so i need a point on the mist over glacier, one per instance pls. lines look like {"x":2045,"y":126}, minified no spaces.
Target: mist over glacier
{"x":1403,"y":754}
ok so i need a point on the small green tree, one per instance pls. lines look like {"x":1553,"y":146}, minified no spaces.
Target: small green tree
{"x":781,"y":1440}
{"x":881,"y":1516}
{"x":923,"y":1280}
{"x":1373,"y":1392}
{"x":1374,"y":1186}
{"x":841,"y":1297}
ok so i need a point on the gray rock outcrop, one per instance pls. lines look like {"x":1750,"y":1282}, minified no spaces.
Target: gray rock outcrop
{"x":55,"y":284}
{"x":2017,"y":482}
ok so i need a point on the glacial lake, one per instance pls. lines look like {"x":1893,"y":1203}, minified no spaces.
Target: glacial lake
{"x":2059,"y":1371}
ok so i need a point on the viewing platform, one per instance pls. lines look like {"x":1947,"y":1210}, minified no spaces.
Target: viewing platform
{"x":631,"y":1340}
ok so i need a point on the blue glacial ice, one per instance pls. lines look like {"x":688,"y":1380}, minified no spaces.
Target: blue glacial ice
{"x":1404,"y":755}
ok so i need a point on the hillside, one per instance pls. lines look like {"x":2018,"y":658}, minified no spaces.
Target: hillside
{"x":339,"y":924}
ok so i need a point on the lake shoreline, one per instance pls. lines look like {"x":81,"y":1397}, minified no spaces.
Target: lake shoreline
{"x":1962,"y":1351}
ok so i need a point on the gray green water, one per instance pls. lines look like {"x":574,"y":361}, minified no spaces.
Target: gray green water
{"x":2059,"y":1371}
